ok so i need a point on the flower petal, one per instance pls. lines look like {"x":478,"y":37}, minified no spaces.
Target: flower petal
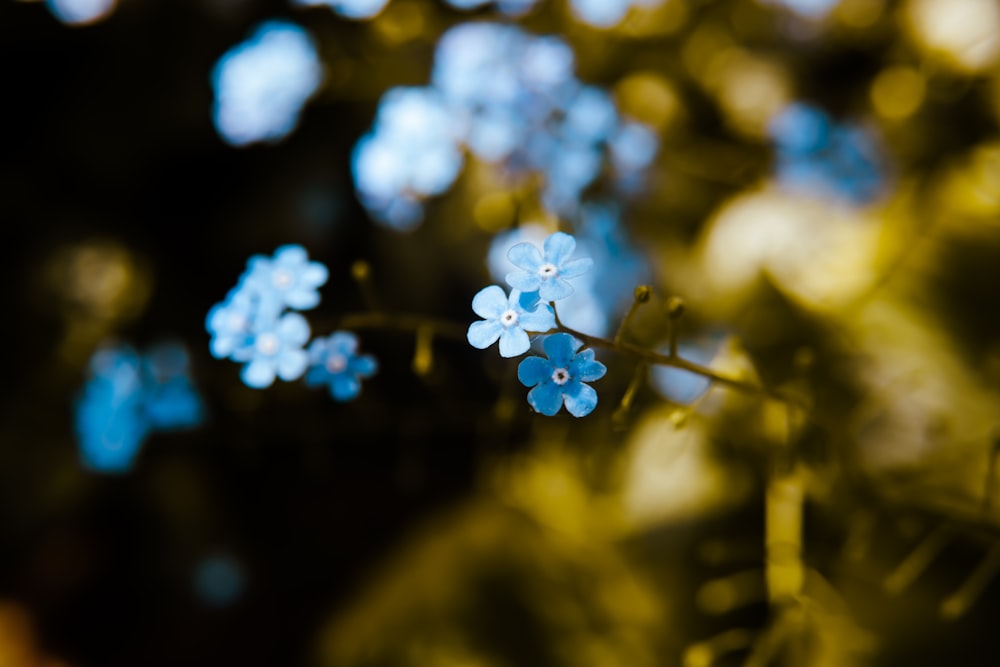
{"x":546,"y":398}
{"x":514,"y":341}
{"x":302,"y":298}
{"x":314,"y":275}
{"x":540,"y":319}
{"x":585,"y":368}
{"x":484,"y":333}
{"x":343,"y":342}
{"x":561,"y":347}
{"x":343,"y":387}
{"x":580,"y":399}
{"x":365,"y":366}
{"x":534,"y":370}
{"x":575,"y":267}
{"x":258,"y":374}
{"x":293,"y":329}
{"x":525,"y":256}
{"x":555,"y":289}
{"x":292,"y":364}
{"x":558,"y":247}
{"x":524,"y":281}
{"x":490,"y":302}
{"x":290,"y":254}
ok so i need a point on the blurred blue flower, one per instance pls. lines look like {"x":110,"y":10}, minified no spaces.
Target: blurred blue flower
{"x":352,"y":9}
{"x":411,"y":153}
{"x":510,"y":7}
{"x":512,"y":99}
{"x":818,"y":157}
{"x":810,"y":8}
{"x":81,"y":12}
{"x":507,"y":319}
{"x":334,"y":361}
{"x":606,"y":13}
{"x":286,"y":279}
{"x":126,"y":397}
{"x":248,"y":326}
{"x":230,"y":322}
{"x":262,"y":84}
{"x":546,"y":273}
{"x":171,"y":400}
{"x":277,"y":351}
{"x":109,"y":419}
{"x":559,"y":380}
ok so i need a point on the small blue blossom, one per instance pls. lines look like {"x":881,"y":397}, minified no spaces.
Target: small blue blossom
{"x":81,"y":12}
{"x":127,"y":397}
{"x":546,"y":273}
{"x":508,"y":319}
{"x":818,"y":157}
{"x":288,"y":279}
{"x":262,"y":84}
{"x":334,"y":361}
{"x":171,"y":400}
{"x":277,"y":351}
{"x":351,"y":9}
{"x":109,"y":419}
{"x":231,"y":324}
{"x":248,"y":326}
{"x":560,"y":379}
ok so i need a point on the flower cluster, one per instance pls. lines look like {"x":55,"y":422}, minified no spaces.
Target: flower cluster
{"x":127,"y":397}
{"x":606,"y":13}
{"x":542,"y":275}
{"x":513,"y":100}
{"x":817,"y":157}
{"x":262,"y":84}
{"x":251,"y":326}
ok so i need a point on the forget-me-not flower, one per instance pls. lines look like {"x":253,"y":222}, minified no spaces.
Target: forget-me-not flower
{"x":230,"y":322}
{"x":351,"y":9}
{"x":127,"y":397}
{"x":560,"y":379}
{"x":286,"y":279}
{"x":277,"y":351}
{"x":508,"y":319}
{"x":546,"y":273}
{"x":262,"y":84}
{"x":334,"y":361}
{"x":817,"y":156}
{"x":249,"y":326}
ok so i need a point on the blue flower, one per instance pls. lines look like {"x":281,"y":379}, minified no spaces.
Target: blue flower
{"x":288,"y":279}
{"x":230,"y":323}
{"x":507,"y":319}
{"x":546,"y":274}
{"x":109,"y":418}
{"x":171,"y":400}
{"x":128,"y":397}
{"x":559,"y":380}
{"x":262,"y":84}
{"x":352,"y":9}
{"x":277,"y":351}
{"x":334,"y":361}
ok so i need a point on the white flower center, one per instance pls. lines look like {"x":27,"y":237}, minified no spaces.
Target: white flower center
{"x":268,"y":344}
{"x":282,"y":278}
{"x":336,"y":363}
{"x":548,"y":270}
{"x":509,"y":318}
{"x":560,"y":376}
